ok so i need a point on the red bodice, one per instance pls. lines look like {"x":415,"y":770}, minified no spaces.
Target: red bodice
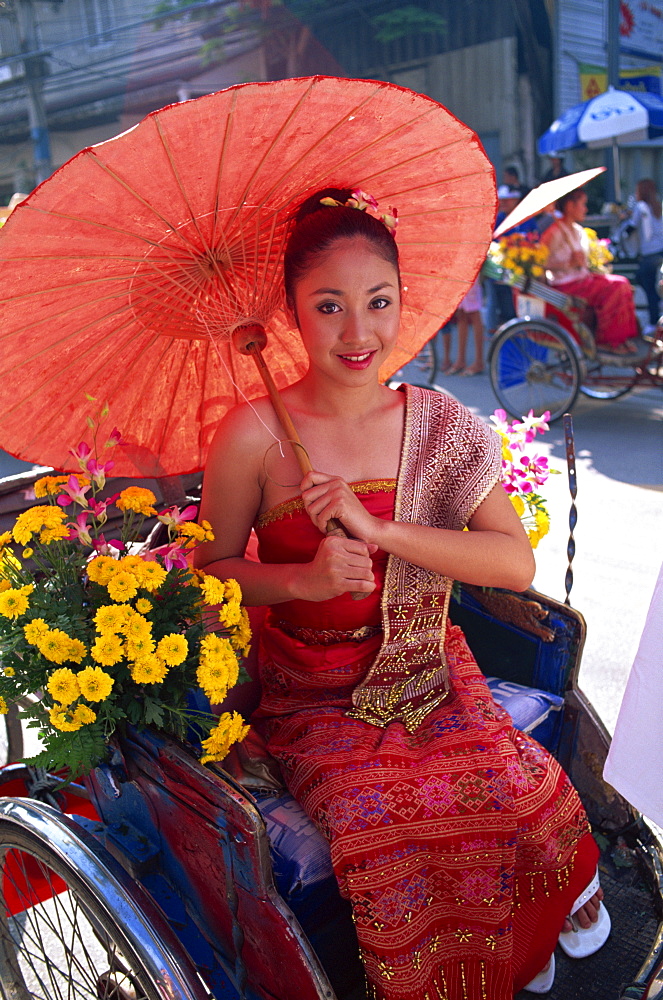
{"x":286,"y":534}
{"x":296,"y":674}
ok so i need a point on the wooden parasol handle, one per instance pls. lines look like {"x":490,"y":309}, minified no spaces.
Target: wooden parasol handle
{"x":251,"y":340}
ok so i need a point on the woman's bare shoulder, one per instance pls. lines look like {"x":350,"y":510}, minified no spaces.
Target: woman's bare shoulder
{"x":245,"y":426}
{"x":550,"y":232}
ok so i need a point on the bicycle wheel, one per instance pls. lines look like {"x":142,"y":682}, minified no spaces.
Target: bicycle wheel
{"x":605,"y":380}
{"x":534,"y":365}
{"x":72,"y":922}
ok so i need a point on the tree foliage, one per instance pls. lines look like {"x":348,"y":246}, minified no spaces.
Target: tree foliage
{"x":265,"y":15}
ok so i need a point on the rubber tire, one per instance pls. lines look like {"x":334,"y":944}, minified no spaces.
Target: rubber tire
{"x":515,"y":352}
{"x":116,"y":909}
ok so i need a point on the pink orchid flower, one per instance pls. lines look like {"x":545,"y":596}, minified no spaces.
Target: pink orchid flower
{"x":174,"y":516}
{"x":99,"y":471}
{"x":80,"y":529}
{"x":99,"y":507}
{"x":175,"y":556}
{"x":363,"y":200}
{"x":171,"y":554}
{"x":530,"y":424}
{"x":73,"y":492}
{"x":499,"y":418}
{"x":535,"y":470}
{"x":509,"y":477}
{"x":81,"y":454}
{"x":107,"y":548}
{"x":114,"y":439}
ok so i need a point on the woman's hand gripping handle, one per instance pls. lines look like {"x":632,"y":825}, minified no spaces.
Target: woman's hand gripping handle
{"x":335,"y":510}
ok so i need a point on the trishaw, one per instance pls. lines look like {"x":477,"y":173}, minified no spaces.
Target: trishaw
{"x":546,"y":356}
{"x":157,"y":878}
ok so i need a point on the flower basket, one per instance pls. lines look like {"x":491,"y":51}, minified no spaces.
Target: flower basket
{"x":100,"y":632}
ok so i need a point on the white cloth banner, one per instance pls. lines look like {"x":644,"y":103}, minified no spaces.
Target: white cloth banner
{"x":635,"y":762}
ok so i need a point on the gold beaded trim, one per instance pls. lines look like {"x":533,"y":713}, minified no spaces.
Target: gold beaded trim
{"x":290,"y":507}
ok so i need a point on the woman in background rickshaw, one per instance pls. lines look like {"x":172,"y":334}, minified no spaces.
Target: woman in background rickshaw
{"x":609,"y":295}
{"x":459,"y":841}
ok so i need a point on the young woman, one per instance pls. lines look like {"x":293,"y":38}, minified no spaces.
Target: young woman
{"x":459,"y":841}
{"x":610,"y":295}
{"x":647,"y":222}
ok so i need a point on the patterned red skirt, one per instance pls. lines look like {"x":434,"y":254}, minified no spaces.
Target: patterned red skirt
{"x":461,"y":845}
{"x":611,"y":298}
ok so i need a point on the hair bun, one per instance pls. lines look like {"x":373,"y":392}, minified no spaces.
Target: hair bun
{"x":312,"y":203}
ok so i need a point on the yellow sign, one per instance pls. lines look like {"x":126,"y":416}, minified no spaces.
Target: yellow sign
{"x":594,"y":79}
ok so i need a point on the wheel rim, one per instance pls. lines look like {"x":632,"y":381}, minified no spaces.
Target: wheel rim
{"x":534,"y":369}
{"x":57,"y":948}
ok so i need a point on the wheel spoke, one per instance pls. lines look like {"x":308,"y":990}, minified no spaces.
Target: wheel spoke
{"x":533,"y":368}
{"x":47,"y":944}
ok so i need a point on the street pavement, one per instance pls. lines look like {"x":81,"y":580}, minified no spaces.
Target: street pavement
{"x":619,"y":534}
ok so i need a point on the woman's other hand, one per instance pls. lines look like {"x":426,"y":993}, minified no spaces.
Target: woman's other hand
{"x":326,"y":497}
{"x":340,"y":565}
{"x":578,"y":259}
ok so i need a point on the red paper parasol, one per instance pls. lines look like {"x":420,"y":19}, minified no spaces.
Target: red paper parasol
{"x":544,"y":195}
{"x":126,"y":272}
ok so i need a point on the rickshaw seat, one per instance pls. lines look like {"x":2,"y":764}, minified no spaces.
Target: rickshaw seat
{"x":585,"y":315}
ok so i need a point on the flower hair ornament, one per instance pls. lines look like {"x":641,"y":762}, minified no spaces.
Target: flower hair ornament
{"x":362,"y":201}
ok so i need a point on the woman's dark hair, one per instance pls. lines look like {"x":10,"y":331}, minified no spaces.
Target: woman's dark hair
{"x":562,"y":202}
{"x":645,"y":190}
{"x":316,"y":228}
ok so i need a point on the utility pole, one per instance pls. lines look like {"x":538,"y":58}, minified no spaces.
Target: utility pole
{"x":34,"y":74}
{"x":613,"y":181}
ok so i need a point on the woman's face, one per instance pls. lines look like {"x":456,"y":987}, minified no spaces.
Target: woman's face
{"x":348,"y":311}
{"x":576,"y":209}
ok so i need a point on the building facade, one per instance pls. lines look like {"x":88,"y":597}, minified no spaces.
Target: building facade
{"x":580,"y":29}
{"x":101,"y":65}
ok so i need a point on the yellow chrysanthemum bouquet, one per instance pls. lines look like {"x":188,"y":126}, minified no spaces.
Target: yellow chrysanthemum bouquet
{"x":96,"y":633}
{"x":599,"y":256}
{"x":520,"y":255}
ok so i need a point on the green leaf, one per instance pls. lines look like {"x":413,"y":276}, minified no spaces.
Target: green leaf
{"x":404,"y":21}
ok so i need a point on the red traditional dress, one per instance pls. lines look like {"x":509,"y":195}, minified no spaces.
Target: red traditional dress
{"x":609,"y":295}
{"x":459,"y":841}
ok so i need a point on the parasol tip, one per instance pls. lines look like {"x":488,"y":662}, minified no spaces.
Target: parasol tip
{"x":252,"y":335}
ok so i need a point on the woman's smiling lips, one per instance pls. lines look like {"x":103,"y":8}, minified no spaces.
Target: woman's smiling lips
{"x":357,"y":361}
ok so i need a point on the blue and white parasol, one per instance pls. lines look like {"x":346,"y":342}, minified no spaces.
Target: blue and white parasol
{"x":611,"y":119}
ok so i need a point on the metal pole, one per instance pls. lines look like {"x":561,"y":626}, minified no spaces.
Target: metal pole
{"x":573,"y":513}
{"x":613,"y":184}
{"x":34,"y":73}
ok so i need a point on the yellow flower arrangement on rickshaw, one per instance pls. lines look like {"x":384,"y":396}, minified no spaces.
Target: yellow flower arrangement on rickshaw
{"x":599,"y":256}
{"x":100,"y":632}
{"x":520,"y":254}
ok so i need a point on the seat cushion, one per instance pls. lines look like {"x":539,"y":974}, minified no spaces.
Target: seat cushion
{"x":532,"y":710}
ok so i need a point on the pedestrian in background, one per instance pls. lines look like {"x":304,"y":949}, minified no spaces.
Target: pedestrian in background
{"x":468,"y":314}
{"x":647,"y":224}
{"x":555,"y":170}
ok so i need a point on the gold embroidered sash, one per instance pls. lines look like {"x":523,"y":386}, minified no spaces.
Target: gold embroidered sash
{"x":449,"y":463}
